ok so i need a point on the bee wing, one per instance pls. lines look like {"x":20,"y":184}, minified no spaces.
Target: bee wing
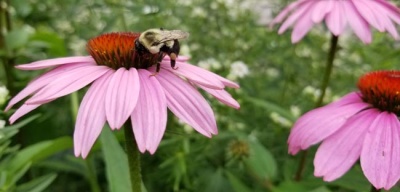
{"x":172,"y":35}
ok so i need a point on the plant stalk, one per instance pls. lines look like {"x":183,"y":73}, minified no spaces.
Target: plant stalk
{"x":133,"y":154}
{"x":8,"y":60}
{"x":92,"y":177}
{"x":318,"y":103}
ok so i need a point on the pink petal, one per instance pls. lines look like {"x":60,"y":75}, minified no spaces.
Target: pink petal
{"x":303,"y":25}
{"x":121,"y":97}
{"x":353,"y":97}
{"x":335,"y":20}
{"x":383,"y":14}
{"x":389,"y":26}
{"x":91,"y":116}
{"x":390,"y":10}
{"x":222,"y":96}
{"x":282,"y":15}
{"x":298,"y":14}
{"x":187,"y":103}
{"x":187,"y":66}
{"x":40,"y":82}
{"x":380,"y":155}
{"x":23,"y":110}
{"x":320,"y":123}
{"x":356,"y":21}
{"x":368,"y":14}
{"x":321,"y":8}
{"x":55,"y":62}
{"x":149,"y":118}
{"x":196,"y":74}
{"x":341,"y":150}
{"x":228,"y":82}
{"x":68,"y":82}
{"x":180,"y":58}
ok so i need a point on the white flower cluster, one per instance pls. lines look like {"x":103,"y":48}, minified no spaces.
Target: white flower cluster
{"x":2,"y":124}
{"x":209,"y":64}
{"x":277,"y":118}
{"x":3,"y":94}
{"x":3,"y":98}
{"x":315,"y":93}
{"x":77,"y":45}
{"x":185,"y":50}
{"x":238,"y":70}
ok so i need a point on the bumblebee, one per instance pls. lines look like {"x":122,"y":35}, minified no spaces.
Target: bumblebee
{"x":161,"y":42}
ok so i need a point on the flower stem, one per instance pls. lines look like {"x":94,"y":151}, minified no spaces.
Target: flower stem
{"x":8,"y":60}
{"x":91,"y":174}
{"x":301,"y":166}
{"x":328,"y":70}
{"x":324,"y":85}
{"x":133,"y":154}
{"x":94,"y":184}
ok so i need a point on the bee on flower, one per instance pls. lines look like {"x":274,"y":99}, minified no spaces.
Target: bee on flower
{"x":133,"y":77}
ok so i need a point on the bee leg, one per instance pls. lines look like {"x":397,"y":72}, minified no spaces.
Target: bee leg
{"x":173,"y":57}
{"x":158,"y":67}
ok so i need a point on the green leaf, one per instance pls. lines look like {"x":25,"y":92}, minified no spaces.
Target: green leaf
{"x":9,"y":131}
{"x":39,"y":151}
{"x":353,"y":180}
{"x":272,"y":107}
{"x":261,"y":162}
{"x":217,"y":182}
{"x":21,"y":123}
{"x":70,"y":165}
{"x":55,"y":44}
{"x":321,"y":189}
{"x":21,"y":7}
{"x":3,"y":179}
{"x":16,"y":38}
{"x":20,"y":173}
{"x":237,"y":184}
{"x":37,"y":185}
{"x":314,"y":185}
{"x":117,"y":167}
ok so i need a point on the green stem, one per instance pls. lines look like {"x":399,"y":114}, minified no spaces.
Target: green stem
{"x":328,"y":70}
{"x":301,"y":166}
{"x":92,"y":177}
{"x":74,"y":104}
{"x":8,"y":60}
{"x":91,"y":174}
{"x":133,"y":154}
{"x":324,"y":86}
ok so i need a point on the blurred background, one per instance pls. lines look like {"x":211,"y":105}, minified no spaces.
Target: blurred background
{"x":279,"y":82}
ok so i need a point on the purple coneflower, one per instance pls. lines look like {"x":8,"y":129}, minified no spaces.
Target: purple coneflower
{"x":358,"y":14}
{"x":361,"y":125}
{"x":125,"y":85}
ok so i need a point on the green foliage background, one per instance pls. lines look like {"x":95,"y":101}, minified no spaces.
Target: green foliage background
{"x":250,"y":151}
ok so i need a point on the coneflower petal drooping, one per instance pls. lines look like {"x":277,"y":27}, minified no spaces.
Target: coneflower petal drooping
{"x":124,"y":85}
{"x":360,"y":126}
{"x":359,"y":15}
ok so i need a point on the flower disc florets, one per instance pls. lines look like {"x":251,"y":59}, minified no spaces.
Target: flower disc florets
{"x":381,"y":89}
{"x":117,"y":50}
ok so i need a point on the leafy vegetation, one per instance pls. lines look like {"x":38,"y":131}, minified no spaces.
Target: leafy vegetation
{"x":250,"y":151}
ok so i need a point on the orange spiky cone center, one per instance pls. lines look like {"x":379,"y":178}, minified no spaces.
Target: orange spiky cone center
{"x":117,"y":50}
{"x":382,"y":90}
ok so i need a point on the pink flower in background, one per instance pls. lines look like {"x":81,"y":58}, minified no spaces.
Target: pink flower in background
{"x":360,"y":15}
{"x":361,"y":125}
{"x":123,"y":87}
